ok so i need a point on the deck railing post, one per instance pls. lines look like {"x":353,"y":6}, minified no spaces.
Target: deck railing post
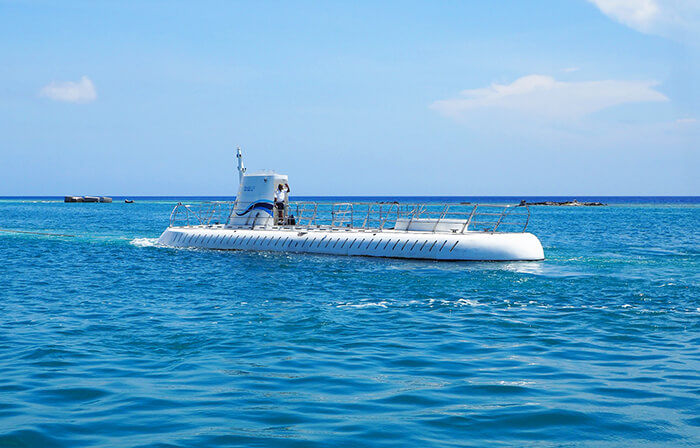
{"x":441,"y":216}
{"x":500,"y":218}
{"x":469,"y":220}
{"x":527,"y":220}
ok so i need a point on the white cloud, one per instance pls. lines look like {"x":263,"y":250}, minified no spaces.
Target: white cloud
{"x":82,"y":91}
{"x":543,"y":96}
{"x":638,"y":14}
{"x":675,"y":19}
{"x":687,"y":120}
{"x":570,"y":69}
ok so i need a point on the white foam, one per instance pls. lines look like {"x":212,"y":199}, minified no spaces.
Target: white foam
{"x":144,"y":242}
{"x":468,"y":302}
{"x":516,"y":383}
{"x":382,"y":304}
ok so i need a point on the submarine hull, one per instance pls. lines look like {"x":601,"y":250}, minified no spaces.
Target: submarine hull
{"x":468,"y":246}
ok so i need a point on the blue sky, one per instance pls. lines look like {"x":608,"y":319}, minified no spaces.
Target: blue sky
{"x":463,"y":98}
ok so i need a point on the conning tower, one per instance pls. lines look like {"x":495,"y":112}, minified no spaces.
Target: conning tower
{"x":255,"y":199}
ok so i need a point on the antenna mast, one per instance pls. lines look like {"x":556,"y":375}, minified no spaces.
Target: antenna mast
{"x":241,"y":168}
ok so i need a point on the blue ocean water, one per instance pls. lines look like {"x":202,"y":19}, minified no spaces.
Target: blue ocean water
{"x":108,"y":340}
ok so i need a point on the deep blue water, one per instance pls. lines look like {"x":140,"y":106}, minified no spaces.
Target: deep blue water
{"x":108,"y":340}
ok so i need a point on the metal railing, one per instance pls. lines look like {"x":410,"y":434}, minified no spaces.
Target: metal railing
{"x":201,"y":214}
{"x":375,"y":216}
{"x":433,"y":217}
{"x":304,"y":213}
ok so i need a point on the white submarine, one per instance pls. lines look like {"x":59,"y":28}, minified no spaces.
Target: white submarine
{"x":429,"y":231}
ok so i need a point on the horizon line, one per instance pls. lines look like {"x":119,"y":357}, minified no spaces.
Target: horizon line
{"x":373,"y":196}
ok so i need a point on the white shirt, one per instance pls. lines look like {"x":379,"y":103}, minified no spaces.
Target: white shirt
{"x":281,"y":195}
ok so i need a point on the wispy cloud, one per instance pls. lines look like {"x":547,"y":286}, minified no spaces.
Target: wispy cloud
{"x":82,"y":91}
{"x":675,"y":19}
{"x":570,"y":69}
{"x":687,"y":121}
{"x":543,"y":96}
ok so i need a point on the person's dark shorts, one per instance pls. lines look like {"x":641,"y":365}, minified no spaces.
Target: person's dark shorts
{"x":279,"y":205}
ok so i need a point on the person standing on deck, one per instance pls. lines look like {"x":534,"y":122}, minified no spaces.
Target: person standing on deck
{"x":280,"y":200}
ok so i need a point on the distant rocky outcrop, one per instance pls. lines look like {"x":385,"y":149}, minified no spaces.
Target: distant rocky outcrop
{"x":87,"y":199}
{"x":573,"y":203}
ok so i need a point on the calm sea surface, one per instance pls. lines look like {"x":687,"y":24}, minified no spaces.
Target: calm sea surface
{"x":109,"y":340}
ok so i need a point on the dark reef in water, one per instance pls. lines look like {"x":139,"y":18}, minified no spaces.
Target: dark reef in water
{"x":574,"y":203}
{"x":87,"y":199}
